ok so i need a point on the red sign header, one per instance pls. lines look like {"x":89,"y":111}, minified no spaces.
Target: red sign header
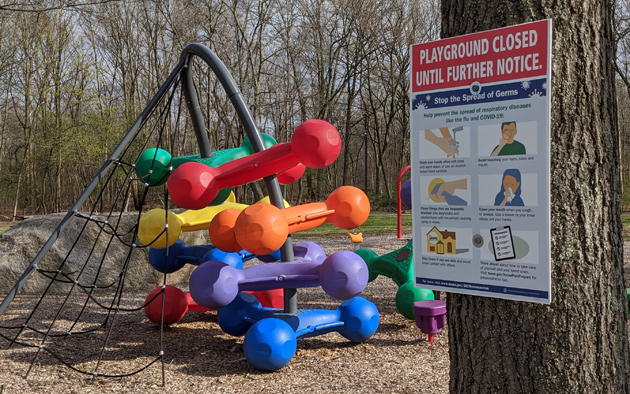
{"x":497,"y":55}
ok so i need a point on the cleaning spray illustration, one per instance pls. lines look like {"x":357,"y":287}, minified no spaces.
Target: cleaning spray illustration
{"x":441,"y":191}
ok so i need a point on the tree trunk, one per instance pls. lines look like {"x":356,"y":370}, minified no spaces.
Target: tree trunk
{"x":17,"y":197}
{"x":579,"y":343}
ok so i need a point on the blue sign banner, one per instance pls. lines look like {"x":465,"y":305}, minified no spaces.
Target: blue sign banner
{"x":478,"y":94}
{"x":482,"y":287}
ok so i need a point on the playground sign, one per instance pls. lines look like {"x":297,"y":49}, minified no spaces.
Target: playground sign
{"x":480,"y":163}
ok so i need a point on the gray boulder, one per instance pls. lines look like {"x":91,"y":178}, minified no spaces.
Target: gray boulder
{"x":85,"y":251}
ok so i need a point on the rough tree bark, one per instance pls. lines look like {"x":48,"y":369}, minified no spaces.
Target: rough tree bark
{"x":579,"y":343}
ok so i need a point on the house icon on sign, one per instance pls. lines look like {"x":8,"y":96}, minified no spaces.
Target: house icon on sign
{"x":441,"y":242}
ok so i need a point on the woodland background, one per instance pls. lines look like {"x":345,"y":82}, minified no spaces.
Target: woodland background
{"x":75,"y":75}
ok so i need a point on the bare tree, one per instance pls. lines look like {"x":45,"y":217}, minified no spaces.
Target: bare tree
{"x":83,"y":84}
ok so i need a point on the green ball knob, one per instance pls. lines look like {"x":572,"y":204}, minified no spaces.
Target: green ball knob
{"x":153,"y":166}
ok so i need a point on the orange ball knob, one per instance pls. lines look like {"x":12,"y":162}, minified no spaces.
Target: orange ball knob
{"x":351,"y":205}
{"x":221,"y":230}
{"x":261,"y":229}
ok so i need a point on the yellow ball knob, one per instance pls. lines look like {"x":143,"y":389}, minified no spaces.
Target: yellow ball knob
{"x":152,"y":226}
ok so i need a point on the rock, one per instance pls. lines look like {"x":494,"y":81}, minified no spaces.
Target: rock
{"x":108,"y":256}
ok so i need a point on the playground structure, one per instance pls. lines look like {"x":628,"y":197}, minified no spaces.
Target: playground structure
{"x":429,"y":313}
{"x":398,"y":264}
{"x":263,"y":228}
{"x":197,"y":182}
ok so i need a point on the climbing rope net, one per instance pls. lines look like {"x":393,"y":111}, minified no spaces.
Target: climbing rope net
{"x":89,"y":313}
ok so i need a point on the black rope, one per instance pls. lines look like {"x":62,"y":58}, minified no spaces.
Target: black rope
{"x":58,"y":313}
{"x":87,"y":289}
{"x":70,"y":280}
{"x":67,"y":364}
{"x":66,"y":334}
{"x":114,"y":230}
{"x":125,"y":171}
{"x":119,"y":291}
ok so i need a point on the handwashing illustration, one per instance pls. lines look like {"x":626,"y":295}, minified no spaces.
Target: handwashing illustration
{"x":445,"y":141}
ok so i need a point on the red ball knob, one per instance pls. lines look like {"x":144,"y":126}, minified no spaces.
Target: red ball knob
{"x":316,"y":143}
{"x":175,"y":305}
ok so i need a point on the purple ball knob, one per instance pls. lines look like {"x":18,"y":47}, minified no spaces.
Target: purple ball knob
{"x":405,"y":193}
{"x":310,"y":251}
{"x":214,"y":284}
{"x":343,"y":275}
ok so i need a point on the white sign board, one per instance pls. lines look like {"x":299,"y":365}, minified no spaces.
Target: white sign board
{"x":480,"y":163}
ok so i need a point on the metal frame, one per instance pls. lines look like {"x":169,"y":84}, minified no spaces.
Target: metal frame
{"x":188,"y":88}
{"x":247,"y":120}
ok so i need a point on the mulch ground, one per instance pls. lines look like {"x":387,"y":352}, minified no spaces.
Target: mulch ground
{"x":199,"y":357}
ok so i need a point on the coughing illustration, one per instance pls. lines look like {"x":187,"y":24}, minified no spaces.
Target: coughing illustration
{"x":510,"y":192}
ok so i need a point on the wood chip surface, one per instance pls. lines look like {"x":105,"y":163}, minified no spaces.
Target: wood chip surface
{"x":199,"y":357}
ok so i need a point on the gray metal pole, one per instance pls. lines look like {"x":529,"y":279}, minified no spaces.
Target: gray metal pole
{"x":192,"y":101}
{"x":365,"y":151}
{"x":246,"y":118}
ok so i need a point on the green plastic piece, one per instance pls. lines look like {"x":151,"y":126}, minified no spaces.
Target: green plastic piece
{"x":397,"y":265}
{"x":268,"y":141}
{"x":628,"y":298}
{"x":407,"y":294}
{"x":153,"y":165}
{"x":221,"y":196}
{"x":226,"y":155}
